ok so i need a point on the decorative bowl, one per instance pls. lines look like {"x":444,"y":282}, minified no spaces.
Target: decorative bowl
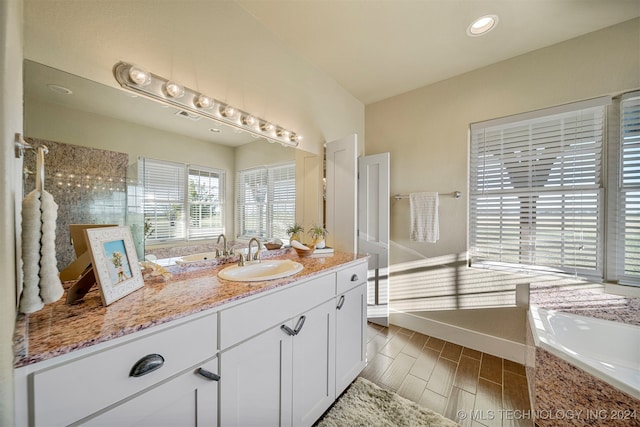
{"x":302,"y":253}
{"x":272,"y":246}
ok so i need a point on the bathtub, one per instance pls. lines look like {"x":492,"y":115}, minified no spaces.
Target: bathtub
{"x":607,"y":350}
{"x":203,"y":256}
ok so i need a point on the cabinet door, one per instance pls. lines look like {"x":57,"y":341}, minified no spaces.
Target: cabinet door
{"x":351,"y":347}
{"x":255,"y":388}
{"x":314,"y":364}
{"x":187,"y":400}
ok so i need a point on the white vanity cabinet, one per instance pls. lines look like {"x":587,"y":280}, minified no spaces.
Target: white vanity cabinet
{"x":98,"y":384}
{"x":286,"y":375}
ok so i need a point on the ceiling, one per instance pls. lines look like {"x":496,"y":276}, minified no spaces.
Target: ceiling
{"x":380,"y":48}
{"x":238,"y":49}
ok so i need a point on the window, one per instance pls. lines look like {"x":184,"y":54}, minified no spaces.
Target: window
{"x":629,"y":189}
{"x":536,"y":190}
{"x":182,"y":202}
{"x":266,"y":201}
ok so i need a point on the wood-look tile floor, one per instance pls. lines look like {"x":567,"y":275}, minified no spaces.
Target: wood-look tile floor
{"x":470,"y":387}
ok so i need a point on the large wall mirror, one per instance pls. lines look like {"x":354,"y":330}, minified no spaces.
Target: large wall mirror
{"x":70,"y":111}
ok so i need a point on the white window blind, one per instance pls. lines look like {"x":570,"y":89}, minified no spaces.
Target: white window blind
{"x":206,"y":203}
{"x":181,"y":202}
{"x":536,"y":191}
{"x":629,"y":191}
{"x":265,"y":201}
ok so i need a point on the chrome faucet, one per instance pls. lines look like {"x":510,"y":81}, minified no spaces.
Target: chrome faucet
{"x":225,"y":250}
{"x":256,"y":256}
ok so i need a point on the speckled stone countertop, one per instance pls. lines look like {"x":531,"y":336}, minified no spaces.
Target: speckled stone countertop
{"x":60,"y":328}
{"x":583,"y":298}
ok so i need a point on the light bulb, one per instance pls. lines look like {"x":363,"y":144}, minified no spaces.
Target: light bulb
{"x":248,"y":120}
{"x":295,"y":138}
{"x":174,"y":89}
{"x":283,"y":133}
{"x":266,"y":126}
{"x":139,"y":76}
{"x":203,"y":101}
{"x":227,"y":111}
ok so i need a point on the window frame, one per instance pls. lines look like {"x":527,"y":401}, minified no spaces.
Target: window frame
{"x":186,"y":232}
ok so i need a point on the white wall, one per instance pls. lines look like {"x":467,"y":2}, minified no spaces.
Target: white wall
{"x":10,"y":123}
{"x":425,"y":130}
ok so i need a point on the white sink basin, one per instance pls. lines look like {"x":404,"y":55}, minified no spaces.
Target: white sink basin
{"x":264,"y":270}
{"x":203,"y":256}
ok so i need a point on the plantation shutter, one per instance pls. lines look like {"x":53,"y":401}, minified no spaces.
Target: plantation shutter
{"x":265,"y":201}
{"x":629,"y":190}
{"x":251,"y":208}
{"x":536,"y":190}
{"x":163,"y":202}
{"x":282,"y":199}
{"x":206,"y":202}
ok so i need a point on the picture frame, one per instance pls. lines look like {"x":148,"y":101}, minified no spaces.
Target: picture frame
{"x":115,"y":262}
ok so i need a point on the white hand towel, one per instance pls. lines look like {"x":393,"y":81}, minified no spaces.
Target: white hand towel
{"x":50,"y":286}
{"x":30,"y":300}
{"x":425,"y":225}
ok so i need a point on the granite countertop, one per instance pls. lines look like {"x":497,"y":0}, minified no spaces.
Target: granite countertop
{"x":60,"y":328}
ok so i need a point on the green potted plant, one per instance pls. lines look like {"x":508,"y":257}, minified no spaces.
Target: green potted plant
{"x":318,"y":233}
{"x":295,"y":231}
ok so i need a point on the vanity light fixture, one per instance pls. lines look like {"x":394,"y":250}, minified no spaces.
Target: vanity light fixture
{"x":170,"y":93}
{"x":482,"y":25}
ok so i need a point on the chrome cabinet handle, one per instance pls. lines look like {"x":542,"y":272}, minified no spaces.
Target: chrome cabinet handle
{"x":340,"y":302}
{"x":288,"y":330}
{"x":300,"y":324}
{"x":207,"y":374}
{"x":354,"y":278}
{"x":146,"y":365}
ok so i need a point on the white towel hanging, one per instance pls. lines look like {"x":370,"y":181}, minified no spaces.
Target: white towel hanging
{"x":425,"y":226}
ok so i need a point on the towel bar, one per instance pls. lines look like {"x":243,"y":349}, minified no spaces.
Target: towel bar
{"x":456,"y":195}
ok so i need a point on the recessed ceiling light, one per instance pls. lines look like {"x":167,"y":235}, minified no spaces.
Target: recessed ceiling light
{"x":482,"y":25}
{"x":60,"y":89}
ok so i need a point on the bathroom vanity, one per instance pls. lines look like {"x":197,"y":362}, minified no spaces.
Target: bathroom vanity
{"x":198,"y":350}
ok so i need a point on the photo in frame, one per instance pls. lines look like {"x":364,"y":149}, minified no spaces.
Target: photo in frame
{"x":115,"y":262}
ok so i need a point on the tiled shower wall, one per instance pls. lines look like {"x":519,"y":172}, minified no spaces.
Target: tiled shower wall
{"x":88,"y":184}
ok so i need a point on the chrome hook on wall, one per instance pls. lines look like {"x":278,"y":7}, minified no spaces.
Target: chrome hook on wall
{"x":22,"y":145}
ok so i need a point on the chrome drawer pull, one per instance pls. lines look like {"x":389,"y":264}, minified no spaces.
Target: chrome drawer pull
{"x":288,"y":330}
{"x":146,"y":365}
{"x":208,"y":374}
{"x":354,"y":278}
{"x":300,"y":324}
{"x":340,"y":302}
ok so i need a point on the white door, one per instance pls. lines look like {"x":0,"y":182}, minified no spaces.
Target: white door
{"x":314,"y":364}
{"x":351,"y":342}
{"x":255,"y":383}
{"x":373,"y":231}
{"x":341,"y":174}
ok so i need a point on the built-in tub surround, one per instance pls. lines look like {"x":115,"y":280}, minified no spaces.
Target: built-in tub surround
{"x":580,"y":364}
{"x":59,"y":328}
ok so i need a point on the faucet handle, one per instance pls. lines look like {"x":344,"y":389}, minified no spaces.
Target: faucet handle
{"x":256,"y":256}
{"x":241,"y":260}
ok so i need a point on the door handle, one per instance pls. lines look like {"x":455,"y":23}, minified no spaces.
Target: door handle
{"x":146,"y":365}
{"x":207,"y":374}
{"x":300,"y":324}
{"x":288,"y":330}
{"x":340,"y":302}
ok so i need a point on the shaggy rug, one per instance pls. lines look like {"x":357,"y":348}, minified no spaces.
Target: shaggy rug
{"x":366,"y":404}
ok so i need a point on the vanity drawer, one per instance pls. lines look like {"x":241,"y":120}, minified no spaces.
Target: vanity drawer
{"x":350,"y":277}
{"x":75,"y":389}
{"x":246,"y":320}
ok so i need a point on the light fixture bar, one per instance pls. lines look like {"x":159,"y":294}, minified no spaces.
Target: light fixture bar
{"x":164,"y":91}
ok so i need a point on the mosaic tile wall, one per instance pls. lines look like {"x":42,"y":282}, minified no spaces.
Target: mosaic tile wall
{"x":88,"y":184}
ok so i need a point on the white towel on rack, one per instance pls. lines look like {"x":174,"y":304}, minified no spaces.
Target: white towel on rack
{"x":50,"y":286}
{"x":425,"y":225}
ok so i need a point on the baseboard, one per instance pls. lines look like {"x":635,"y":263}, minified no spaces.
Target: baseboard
{"x":496,"y":346}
